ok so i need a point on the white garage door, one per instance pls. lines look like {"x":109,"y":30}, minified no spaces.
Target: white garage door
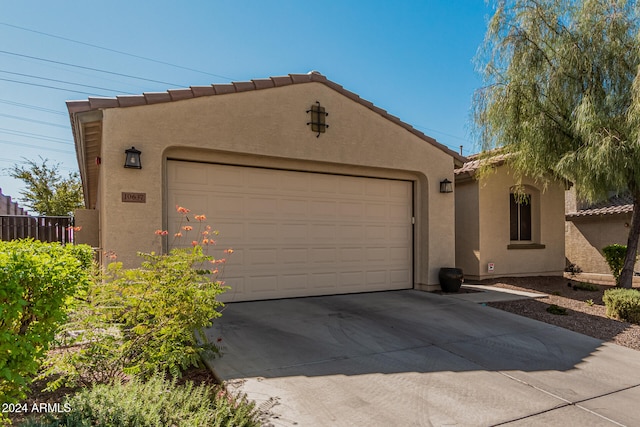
{"x":299,"y":233}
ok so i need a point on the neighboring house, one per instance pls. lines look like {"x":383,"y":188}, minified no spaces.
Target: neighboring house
{"x":501,"y":233}
{"x":312,"y":204}
{"x":9,"y":207}
{"x":589,"y":228}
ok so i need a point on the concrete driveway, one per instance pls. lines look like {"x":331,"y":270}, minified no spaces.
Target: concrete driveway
{"x":409,"y":358}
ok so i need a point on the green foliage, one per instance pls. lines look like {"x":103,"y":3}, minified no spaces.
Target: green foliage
{"x":590,"y":287}
{"x":556,"y":309}
{"x":615,"y":256}
{"x":38,"y":281}
{"x":623,"y":304}
{"x":156,"y":402}
{"x":589,"y":302}
{"x":559,"y":85}
{"x":561,"y":96}
{"x":138,"y":321}
{"x":47,"y":192}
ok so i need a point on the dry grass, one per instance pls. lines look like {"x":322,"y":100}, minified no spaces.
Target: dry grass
{"x":582,"y":316}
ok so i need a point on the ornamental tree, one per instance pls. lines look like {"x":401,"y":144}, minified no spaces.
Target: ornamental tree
{"x":561,"y":97}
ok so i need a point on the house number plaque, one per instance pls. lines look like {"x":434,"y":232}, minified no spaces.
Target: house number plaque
{"x":134,"y":197}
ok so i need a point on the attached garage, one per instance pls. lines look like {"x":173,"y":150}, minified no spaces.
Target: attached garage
{"x":311,"y":203}
{"x":299,"y":233}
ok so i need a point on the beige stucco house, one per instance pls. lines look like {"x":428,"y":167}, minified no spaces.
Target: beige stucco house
{"x":498,"y":232}
{"x":591,"y":227}
{"x":311,"y":203}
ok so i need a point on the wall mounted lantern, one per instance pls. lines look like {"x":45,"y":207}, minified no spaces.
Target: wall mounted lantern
{"x":446,"y":186}
{"x":318,"y":121}
{"x":132,"y":159}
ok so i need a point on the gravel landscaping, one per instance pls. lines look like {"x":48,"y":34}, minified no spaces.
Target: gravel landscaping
{"x":585,"y":309}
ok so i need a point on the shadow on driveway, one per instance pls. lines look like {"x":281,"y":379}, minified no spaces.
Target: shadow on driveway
{"x":387,"y":355}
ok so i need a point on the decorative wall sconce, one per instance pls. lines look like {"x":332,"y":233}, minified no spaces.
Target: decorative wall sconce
{"x":132,"y":159}
{"x":446,"y":186}
{"x":318,"y":122}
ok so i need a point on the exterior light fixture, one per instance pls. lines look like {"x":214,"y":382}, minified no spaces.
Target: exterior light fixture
{"x":132,"y":159}
{"x":318,"y":119}
{"x":446,"y":186}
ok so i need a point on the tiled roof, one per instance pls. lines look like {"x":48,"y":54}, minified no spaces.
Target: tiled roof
{"x":257,"y":84}
{"x":615,"y":205}
{"x":474,"y":163}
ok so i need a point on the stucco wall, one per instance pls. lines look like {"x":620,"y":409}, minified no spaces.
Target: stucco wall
{"x":587,"y":236}
{"x":493,"y":224}
{"x":467,"y":227}
{"x":266,"y":127}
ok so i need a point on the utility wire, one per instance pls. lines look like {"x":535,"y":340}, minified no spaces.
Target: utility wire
{"x":33,"y":121}
{"x":20,"y":144}
{"x":116,"y":51}
{"x":35,"y":135}
{"x":51,"y":87}
{"x":87,"y":68}
{"x":33,"y":107}
{"x":64,"y":82}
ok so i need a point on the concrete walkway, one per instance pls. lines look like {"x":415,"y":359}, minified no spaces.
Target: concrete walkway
{"x":409,"y":358}
{"x":484,"y":293}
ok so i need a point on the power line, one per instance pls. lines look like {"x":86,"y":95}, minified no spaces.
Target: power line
{"x":87,"y":68}
{"x":63,"y":81}
{"x":33,"y":107}
{"x":33,"y":121}
{"x":51,"y":87}
{"x":115,"y":51}
{"x":19,"y":144}
{"x":35,"y":135}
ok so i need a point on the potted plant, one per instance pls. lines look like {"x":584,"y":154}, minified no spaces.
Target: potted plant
{"x":450,"y":279}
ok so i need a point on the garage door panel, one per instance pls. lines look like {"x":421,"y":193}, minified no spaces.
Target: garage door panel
{"x":291,"y":282}
{"x":293,"y":208}
{"x":295,"y":256}
{"x":262,"y":284}
{"x":322,"y":209}
{"x":263,"y":207}
{"x":298,"y":233}
{"x":294,"y":233}
{"x":224,"y":206}
{"x":262,"y":231}
{"x":324,"y":281}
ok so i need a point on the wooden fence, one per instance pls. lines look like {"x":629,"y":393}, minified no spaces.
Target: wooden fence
{"x":44,"y":228}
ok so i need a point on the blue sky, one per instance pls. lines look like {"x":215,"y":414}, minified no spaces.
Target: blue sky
{"x":412,"y":58}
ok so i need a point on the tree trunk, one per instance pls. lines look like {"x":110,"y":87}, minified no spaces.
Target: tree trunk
{"x":626,"y":276}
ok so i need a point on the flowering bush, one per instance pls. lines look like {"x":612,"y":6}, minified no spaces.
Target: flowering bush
{"x":151,"y":318}
{"x":37,"y":282}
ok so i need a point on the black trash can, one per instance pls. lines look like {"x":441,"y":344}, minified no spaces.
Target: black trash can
{"x":450,"y":279}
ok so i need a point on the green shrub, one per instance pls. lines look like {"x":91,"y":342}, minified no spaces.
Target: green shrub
{"x":556,"y":309}
{"x":156,"y":402}
{"x":615,"y":255}
{"x":586,"y":287}
{"x":138,"y":321}
{"x":623,"y":304}
{"x":38,"y":281}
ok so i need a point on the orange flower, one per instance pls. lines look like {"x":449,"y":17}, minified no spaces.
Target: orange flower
{"x":194,"y":243}
{"x":161,"y":232}
{"x":228,"y":251}
{"x":216,"y":271}
{"x":205,"y":241}
{"x":177,"y":235}
{"x":200,"y":218}
{"x":208,"y":228}
{"x":182,"y":210}
{"x":187,"y":228}
{"x":78,"y":228}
